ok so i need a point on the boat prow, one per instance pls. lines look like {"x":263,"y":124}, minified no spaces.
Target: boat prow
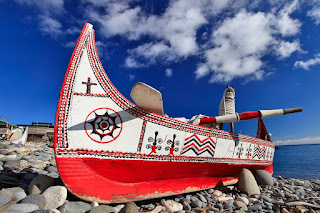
{"x":111,"y":151}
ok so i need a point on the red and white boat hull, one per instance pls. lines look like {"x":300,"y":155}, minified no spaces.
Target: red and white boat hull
{"x":109,"y":150}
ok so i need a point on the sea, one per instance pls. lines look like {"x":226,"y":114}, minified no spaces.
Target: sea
{"x":297,"y":161}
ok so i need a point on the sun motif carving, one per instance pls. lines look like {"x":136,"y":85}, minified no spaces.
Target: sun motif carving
{"x":103,"y":125}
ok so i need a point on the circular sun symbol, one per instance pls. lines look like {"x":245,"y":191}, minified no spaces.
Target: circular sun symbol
{"x":103,"y":125}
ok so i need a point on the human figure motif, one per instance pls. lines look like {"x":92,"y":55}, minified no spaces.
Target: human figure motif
{"x":172,"y":143}
{"x":154,"y":147}
{"x":249,"y":150}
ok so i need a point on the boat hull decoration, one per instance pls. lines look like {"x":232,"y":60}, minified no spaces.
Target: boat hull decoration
{"x":111,"y":151}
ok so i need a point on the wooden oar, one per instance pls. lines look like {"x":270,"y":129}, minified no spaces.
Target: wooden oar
{"x":248,"y":115}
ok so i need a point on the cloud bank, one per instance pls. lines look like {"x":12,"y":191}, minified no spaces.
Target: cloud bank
{"x":229,"y":39}
{"x":301,"y":141}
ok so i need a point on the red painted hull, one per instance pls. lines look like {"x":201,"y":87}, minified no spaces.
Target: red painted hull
{"x":114,"y":181}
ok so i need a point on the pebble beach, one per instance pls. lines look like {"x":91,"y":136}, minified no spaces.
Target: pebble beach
{"x":30,"y":182}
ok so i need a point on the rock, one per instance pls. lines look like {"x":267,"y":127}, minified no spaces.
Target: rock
{"x":284,"y":210}
{"x":210,"y":191}
{"x":172,"y":206}
{"x":129,"y":208}
{"x":23,"y":151}
{"x":247,"y":183}
{"x":217,"y":193}
{"x":103,"y":209}
{"x":23,"y":207}
{"x":253,"y":200}
{"x":95,"y":204}
{"x":4,"y":151}
{"x":40,"y":183}
{"x":240,"y":205}
{"x":51,"y":169}
{"x":263,"y":177}
{"x":15,"y":164}
{"x":24,"y":163}
{"x":158,"y":209}
{"x":43,"y":211}
{"x":255,"y":207}
{"x":9,"y":158}
{"x":6,"y":193}
{"x":55,"y":196}
{"x":186,"y":205}
{"x":75,"y":207}
{"x":195,"y":202}
{"x":225,"y":199}
{"x":244,"y":200}
{"x":117,"y":208}
{"x":40,"y":164}
{"x":4,"y":200}
{"x":202,"y":198}
{"x":266,"y":198}
{"x":28,"y":176}
{"x":36,"y":199}
{"x":19,"y":195}
{"x":15,"y":189}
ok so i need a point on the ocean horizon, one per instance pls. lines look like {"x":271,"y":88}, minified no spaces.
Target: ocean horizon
{"x":297,"y":161}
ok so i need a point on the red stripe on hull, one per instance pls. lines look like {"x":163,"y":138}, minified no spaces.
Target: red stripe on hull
{"x":116,"y":181}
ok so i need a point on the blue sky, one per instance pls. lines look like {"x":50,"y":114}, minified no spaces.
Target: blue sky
{"x":269,"y":51}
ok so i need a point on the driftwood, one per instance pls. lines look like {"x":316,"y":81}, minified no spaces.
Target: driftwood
{"x":13,"y":201}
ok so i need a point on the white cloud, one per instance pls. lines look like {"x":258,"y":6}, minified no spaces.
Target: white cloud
{"x":169,"y":72}
{"x":49,"y":12}
{"x":306,"y":64}
{"x":175,"y":29}
{"x":285,"y":48}
{"x":308,"y":140}
{"x":47,"y":7}
{"x":132,"y":63}
{"x":239,"y":43}
{"x":314,"y":12}
{"x":149,"y":53}
{"x":50,"y":26}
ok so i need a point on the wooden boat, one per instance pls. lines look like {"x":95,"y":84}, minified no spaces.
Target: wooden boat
{"x":111,"y":151}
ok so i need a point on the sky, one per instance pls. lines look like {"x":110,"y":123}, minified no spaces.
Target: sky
{"x":269,"y":51}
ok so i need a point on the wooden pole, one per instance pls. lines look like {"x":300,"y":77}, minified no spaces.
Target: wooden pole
{"x":231,"y":127}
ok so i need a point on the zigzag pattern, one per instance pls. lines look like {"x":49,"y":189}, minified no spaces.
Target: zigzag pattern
{"x":193,"y":143}
{"x":259,"y":152}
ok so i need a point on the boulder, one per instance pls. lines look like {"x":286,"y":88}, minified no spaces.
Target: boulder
{"x":40,"y":183}
{"x":75,"y":207}
{"x":55,"y":196}
{"x":23,"y":207}
{"x":172,"y":206}
{"x":36,"y":199}
{"x":129,"y":208}
{"x":263,"y":178}
{"x":247,"y":183}
{"x":103,"y":209}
